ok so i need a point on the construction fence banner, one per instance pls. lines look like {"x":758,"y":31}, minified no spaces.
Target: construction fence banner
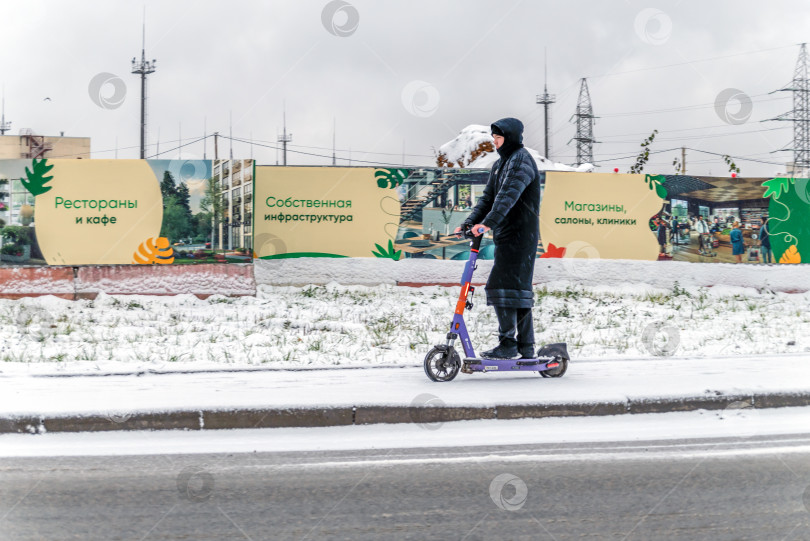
{"x":105,"y":212}
{"x":675,"y":217}
{"x":101,"y":212}
{"x":326,"y":212}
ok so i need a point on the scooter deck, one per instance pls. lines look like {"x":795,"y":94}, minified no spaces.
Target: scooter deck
{"x":476,"y":364}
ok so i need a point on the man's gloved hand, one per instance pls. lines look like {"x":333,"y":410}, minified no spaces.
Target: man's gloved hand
{"x":479,"y":229}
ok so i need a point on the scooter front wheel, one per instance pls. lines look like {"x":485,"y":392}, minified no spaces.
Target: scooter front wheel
{"x":442,"y":363}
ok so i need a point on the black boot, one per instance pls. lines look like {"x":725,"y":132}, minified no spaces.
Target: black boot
{"x":507,"y":345}
{"x":526,"y":351}
{"x":506,"y":350}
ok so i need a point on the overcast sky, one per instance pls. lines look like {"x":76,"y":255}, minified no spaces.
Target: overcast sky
{"x":412,"y":73}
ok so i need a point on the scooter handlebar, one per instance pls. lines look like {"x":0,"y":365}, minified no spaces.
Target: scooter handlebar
{"x":467,"y":233}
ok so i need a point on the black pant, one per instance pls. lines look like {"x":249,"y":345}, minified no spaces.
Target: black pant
{"x":515,"y":321}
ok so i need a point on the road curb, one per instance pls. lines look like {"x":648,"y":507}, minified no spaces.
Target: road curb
{"x":369,"y":414}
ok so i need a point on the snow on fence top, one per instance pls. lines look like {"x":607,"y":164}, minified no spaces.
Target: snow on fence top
{"x":473,"y":147}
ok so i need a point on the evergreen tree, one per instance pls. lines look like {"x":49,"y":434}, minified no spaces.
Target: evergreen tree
{"x":183,"y":196}
{"x":175,"y":221}
{"x":184,"y":200}
{"x":167,"y":186}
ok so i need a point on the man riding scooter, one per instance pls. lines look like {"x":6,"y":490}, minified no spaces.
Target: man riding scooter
{"x":510,"y":207}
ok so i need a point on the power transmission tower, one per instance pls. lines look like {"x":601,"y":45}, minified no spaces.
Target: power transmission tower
{"x":545,"y":99}
{"x":800,"y":115}
{"x":143,"y":68}
{"x":584,"y":120}
{"x":284,"y":138}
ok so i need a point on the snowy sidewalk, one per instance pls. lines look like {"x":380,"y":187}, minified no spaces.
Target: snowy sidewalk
{"x":372,"y":395}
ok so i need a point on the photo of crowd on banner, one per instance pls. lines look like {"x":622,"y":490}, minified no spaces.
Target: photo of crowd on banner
{"x":729,"y":220}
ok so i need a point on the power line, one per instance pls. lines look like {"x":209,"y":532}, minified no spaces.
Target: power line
{"x":681,"y":108}
{"x":686,"y":63}
{"x":735,"y":157}
{"x":182,"y":145}
{"x":316,"y":155}
{"x":698,"y":137}
{"x":691,"y":129}
{"x":636,"y":154}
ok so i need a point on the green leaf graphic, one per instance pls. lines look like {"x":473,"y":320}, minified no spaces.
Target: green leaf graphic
{"x":777,"y":186}
{"x":390,"y":178}
{"x":656,"y":182}
{"x":390,"y":253}
{"x":37,"y":180}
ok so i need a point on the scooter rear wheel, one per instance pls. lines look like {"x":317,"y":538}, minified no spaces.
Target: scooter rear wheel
{"x":558,"y":371}
{"x":442,"y":363}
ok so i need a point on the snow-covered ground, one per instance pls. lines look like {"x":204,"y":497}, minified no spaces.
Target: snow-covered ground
{"x":341,"y":326}
{"x":467,"y":434}
{"x":613,"y":381}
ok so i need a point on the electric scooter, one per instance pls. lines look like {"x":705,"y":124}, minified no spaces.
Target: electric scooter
{"x":442,"y":363}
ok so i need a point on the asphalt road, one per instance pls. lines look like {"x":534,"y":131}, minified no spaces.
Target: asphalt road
{"x":686,"y":490}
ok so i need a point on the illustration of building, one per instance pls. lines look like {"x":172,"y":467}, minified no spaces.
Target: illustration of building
{"x":235,"y":181}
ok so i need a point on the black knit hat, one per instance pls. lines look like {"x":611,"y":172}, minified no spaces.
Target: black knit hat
{"x":496,"y":130}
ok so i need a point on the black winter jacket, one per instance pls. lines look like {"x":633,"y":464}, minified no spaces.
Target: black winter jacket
{"x":510,"y":206}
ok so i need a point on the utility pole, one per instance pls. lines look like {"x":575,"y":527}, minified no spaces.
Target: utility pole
{"x":230,"y":132}
{"x":205,"y":137}
{"x":584,"y":121}
{"x":683,"y":160}
{"x":800,"y":115}
{"x":545,"y":99}
{"x":284,"y":138}
{"x":334,"y":127}
{"x":143,"y":68}
{"x":216,"y":145}
{"x":4,"y":126}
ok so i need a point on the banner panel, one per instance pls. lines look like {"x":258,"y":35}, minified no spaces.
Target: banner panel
{"x":105,"y":212}
{"x":599,"y":216}
{"x":326,"y":212}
